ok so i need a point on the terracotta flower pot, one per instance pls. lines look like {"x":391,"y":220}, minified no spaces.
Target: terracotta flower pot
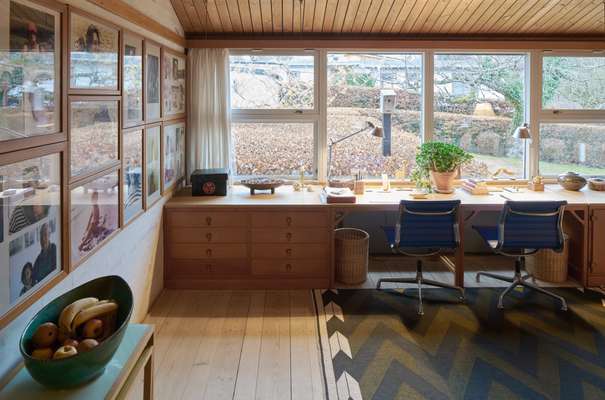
{"x":443,"y":182}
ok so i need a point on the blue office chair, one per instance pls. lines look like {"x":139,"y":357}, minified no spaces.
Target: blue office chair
{"x":524,"y":228}
{"x":424,"y":229}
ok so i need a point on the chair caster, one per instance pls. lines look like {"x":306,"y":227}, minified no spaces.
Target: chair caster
{"x":500,"y":306}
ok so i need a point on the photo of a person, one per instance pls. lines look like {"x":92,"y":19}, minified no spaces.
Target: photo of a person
{"x":96,"y":230}
{"x":24,"y":216}
{"x":153,"y":79}
{"x":91,"y":41}
{"x":46,"y":261}
{"x":27,"y":278}
{"x":32,"y":39}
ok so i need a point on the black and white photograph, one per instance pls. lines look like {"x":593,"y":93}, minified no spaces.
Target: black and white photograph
{"x":133,"y":80}
{"x":152,"y":164}
{"x":152,"y":84}
{"x":173,"y":89}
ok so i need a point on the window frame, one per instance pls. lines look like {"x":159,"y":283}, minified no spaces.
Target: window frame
{"x":543,"y":115}
{"x":292,"y":115}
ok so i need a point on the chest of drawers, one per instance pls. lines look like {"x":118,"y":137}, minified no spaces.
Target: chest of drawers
{"x":246,"y":247}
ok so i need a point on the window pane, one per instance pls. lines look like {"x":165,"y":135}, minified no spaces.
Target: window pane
{"x":30,"y":226}
{"x":278,"y":149}
{"x":30,"y":41}
{"x":354,"y":85}
{"x":573,"y":83}
{"x":479,"y":102}
{"x":272,"y":82}
{"x":572,"y":147}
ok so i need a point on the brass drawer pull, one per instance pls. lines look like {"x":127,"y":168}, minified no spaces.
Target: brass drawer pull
{"x":288,"y":267}
{"x":288,"y":252}
{"x":289,"y":236}
{"x":288,"y":221}
{"x":208,"y":221}
{"x":209,"y":252}
{"x":209,"y":236}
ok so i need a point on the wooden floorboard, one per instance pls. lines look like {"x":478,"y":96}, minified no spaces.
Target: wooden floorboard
{"x":236,"y":345}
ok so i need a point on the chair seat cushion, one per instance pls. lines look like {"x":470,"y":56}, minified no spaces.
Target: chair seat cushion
{"x":489,"y":234}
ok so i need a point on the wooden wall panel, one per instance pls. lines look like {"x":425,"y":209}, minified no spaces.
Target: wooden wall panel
{"x":400,"y":17}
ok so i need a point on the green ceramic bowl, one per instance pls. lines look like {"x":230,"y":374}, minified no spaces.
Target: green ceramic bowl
{"x":77,"y":370}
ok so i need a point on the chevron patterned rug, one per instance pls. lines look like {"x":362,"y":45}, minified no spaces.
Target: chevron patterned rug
{"x":375,"y":346}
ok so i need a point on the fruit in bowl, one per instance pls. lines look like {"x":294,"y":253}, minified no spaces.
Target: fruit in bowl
{"x":71,"y":340}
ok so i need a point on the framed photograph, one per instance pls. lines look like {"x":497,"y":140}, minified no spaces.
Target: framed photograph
{"x":152,"y":82}
{"x":181,"y":167}
{"x":152,"y":165}
{"x":30,"y":68}
{"x":93,"y":214}
{"x":132,"y":170}
{"x":173,"y":84}
{"x":93,"y":133}
{"x":30,"y":224}
{"x":132,"y":82}
{"x":93,"y":54}
{"x":171,"y":138}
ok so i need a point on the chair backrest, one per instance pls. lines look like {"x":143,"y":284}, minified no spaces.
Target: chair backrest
{"x":428,"y":224}
{"x":531,"y":225}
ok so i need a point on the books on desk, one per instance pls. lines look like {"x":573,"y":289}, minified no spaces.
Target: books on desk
{"x":338,"y":195}
{"x":475,"y":187}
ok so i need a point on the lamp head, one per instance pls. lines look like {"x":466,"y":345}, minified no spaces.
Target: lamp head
{"x":376,"y":131}
{"x":522,"y":132}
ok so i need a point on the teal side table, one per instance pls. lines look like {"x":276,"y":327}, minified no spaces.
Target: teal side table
{"x":135,"y":353}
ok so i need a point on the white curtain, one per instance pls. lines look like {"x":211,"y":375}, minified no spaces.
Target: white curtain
{"x":208,"y":121}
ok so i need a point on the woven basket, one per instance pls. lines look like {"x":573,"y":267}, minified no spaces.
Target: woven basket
{"x":548,"y":265}
{"x":351,"y":250}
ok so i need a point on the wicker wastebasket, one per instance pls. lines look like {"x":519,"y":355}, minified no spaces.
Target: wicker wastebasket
{"x":351,"y":249}
{"x":548,"y":265}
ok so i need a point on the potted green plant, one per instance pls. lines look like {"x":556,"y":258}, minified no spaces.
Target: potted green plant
{"x":437,"y":164}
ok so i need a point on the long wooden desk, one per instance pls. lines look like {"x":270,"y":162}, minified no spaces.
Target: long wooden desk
{"x":297,"y":223}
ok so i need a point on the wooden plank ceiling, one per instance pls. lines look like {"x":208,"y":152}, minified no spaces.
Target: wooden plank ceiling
{"x":393,"y":17}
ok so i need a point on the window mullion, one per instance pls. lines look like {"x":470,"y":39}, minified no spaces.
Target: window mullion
{"x":428,"y":95}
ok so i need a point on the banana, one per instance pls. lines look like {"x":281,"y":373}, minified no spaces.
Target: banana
{"x":69,"y":313}
{"x":95,"y":310}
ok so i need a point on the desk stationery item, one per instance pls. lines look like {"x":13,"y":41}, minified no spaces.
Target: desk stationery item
{"x":536,"y":184}
{"x":338,"y":195}
{"x":359,"y":187}
{"x":386,"y":183}
{"x":475,"y":187}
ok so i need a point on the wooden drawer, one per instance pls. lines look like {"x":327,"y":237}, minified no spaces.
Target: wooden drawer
{"x":302,"y":219}
{"x":285,"y":251}
{"x":307,"y":268}
{"x":207,"y":235}
{"x":199,"y":219}
{"x":197,"y":268}
{"x":298,"y":235}
{"x":207,"y":251}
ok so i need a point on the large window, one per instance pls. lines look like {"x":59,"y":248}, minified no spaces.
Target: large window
{"x":275,"y":117}
{"x":355,"y":82}
{"x":573,"y":83}
{"x":479,"y":102}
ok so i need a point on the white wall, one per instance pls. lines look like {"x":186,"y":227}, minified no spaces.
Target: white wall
{"x":135,"y":254}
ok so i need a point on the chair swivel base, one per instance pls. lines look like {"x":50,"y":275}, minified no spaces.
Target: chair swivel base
{"x":520,"y":280}
{"x":421,"y":281}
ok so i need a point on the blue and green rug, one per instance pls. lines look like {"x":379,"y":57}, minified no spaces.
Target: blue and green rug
{"x":375,"y":346}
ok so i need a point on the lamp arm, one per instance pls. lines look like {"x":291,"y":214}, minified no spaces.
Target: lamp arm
{"x":333,"y":142}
